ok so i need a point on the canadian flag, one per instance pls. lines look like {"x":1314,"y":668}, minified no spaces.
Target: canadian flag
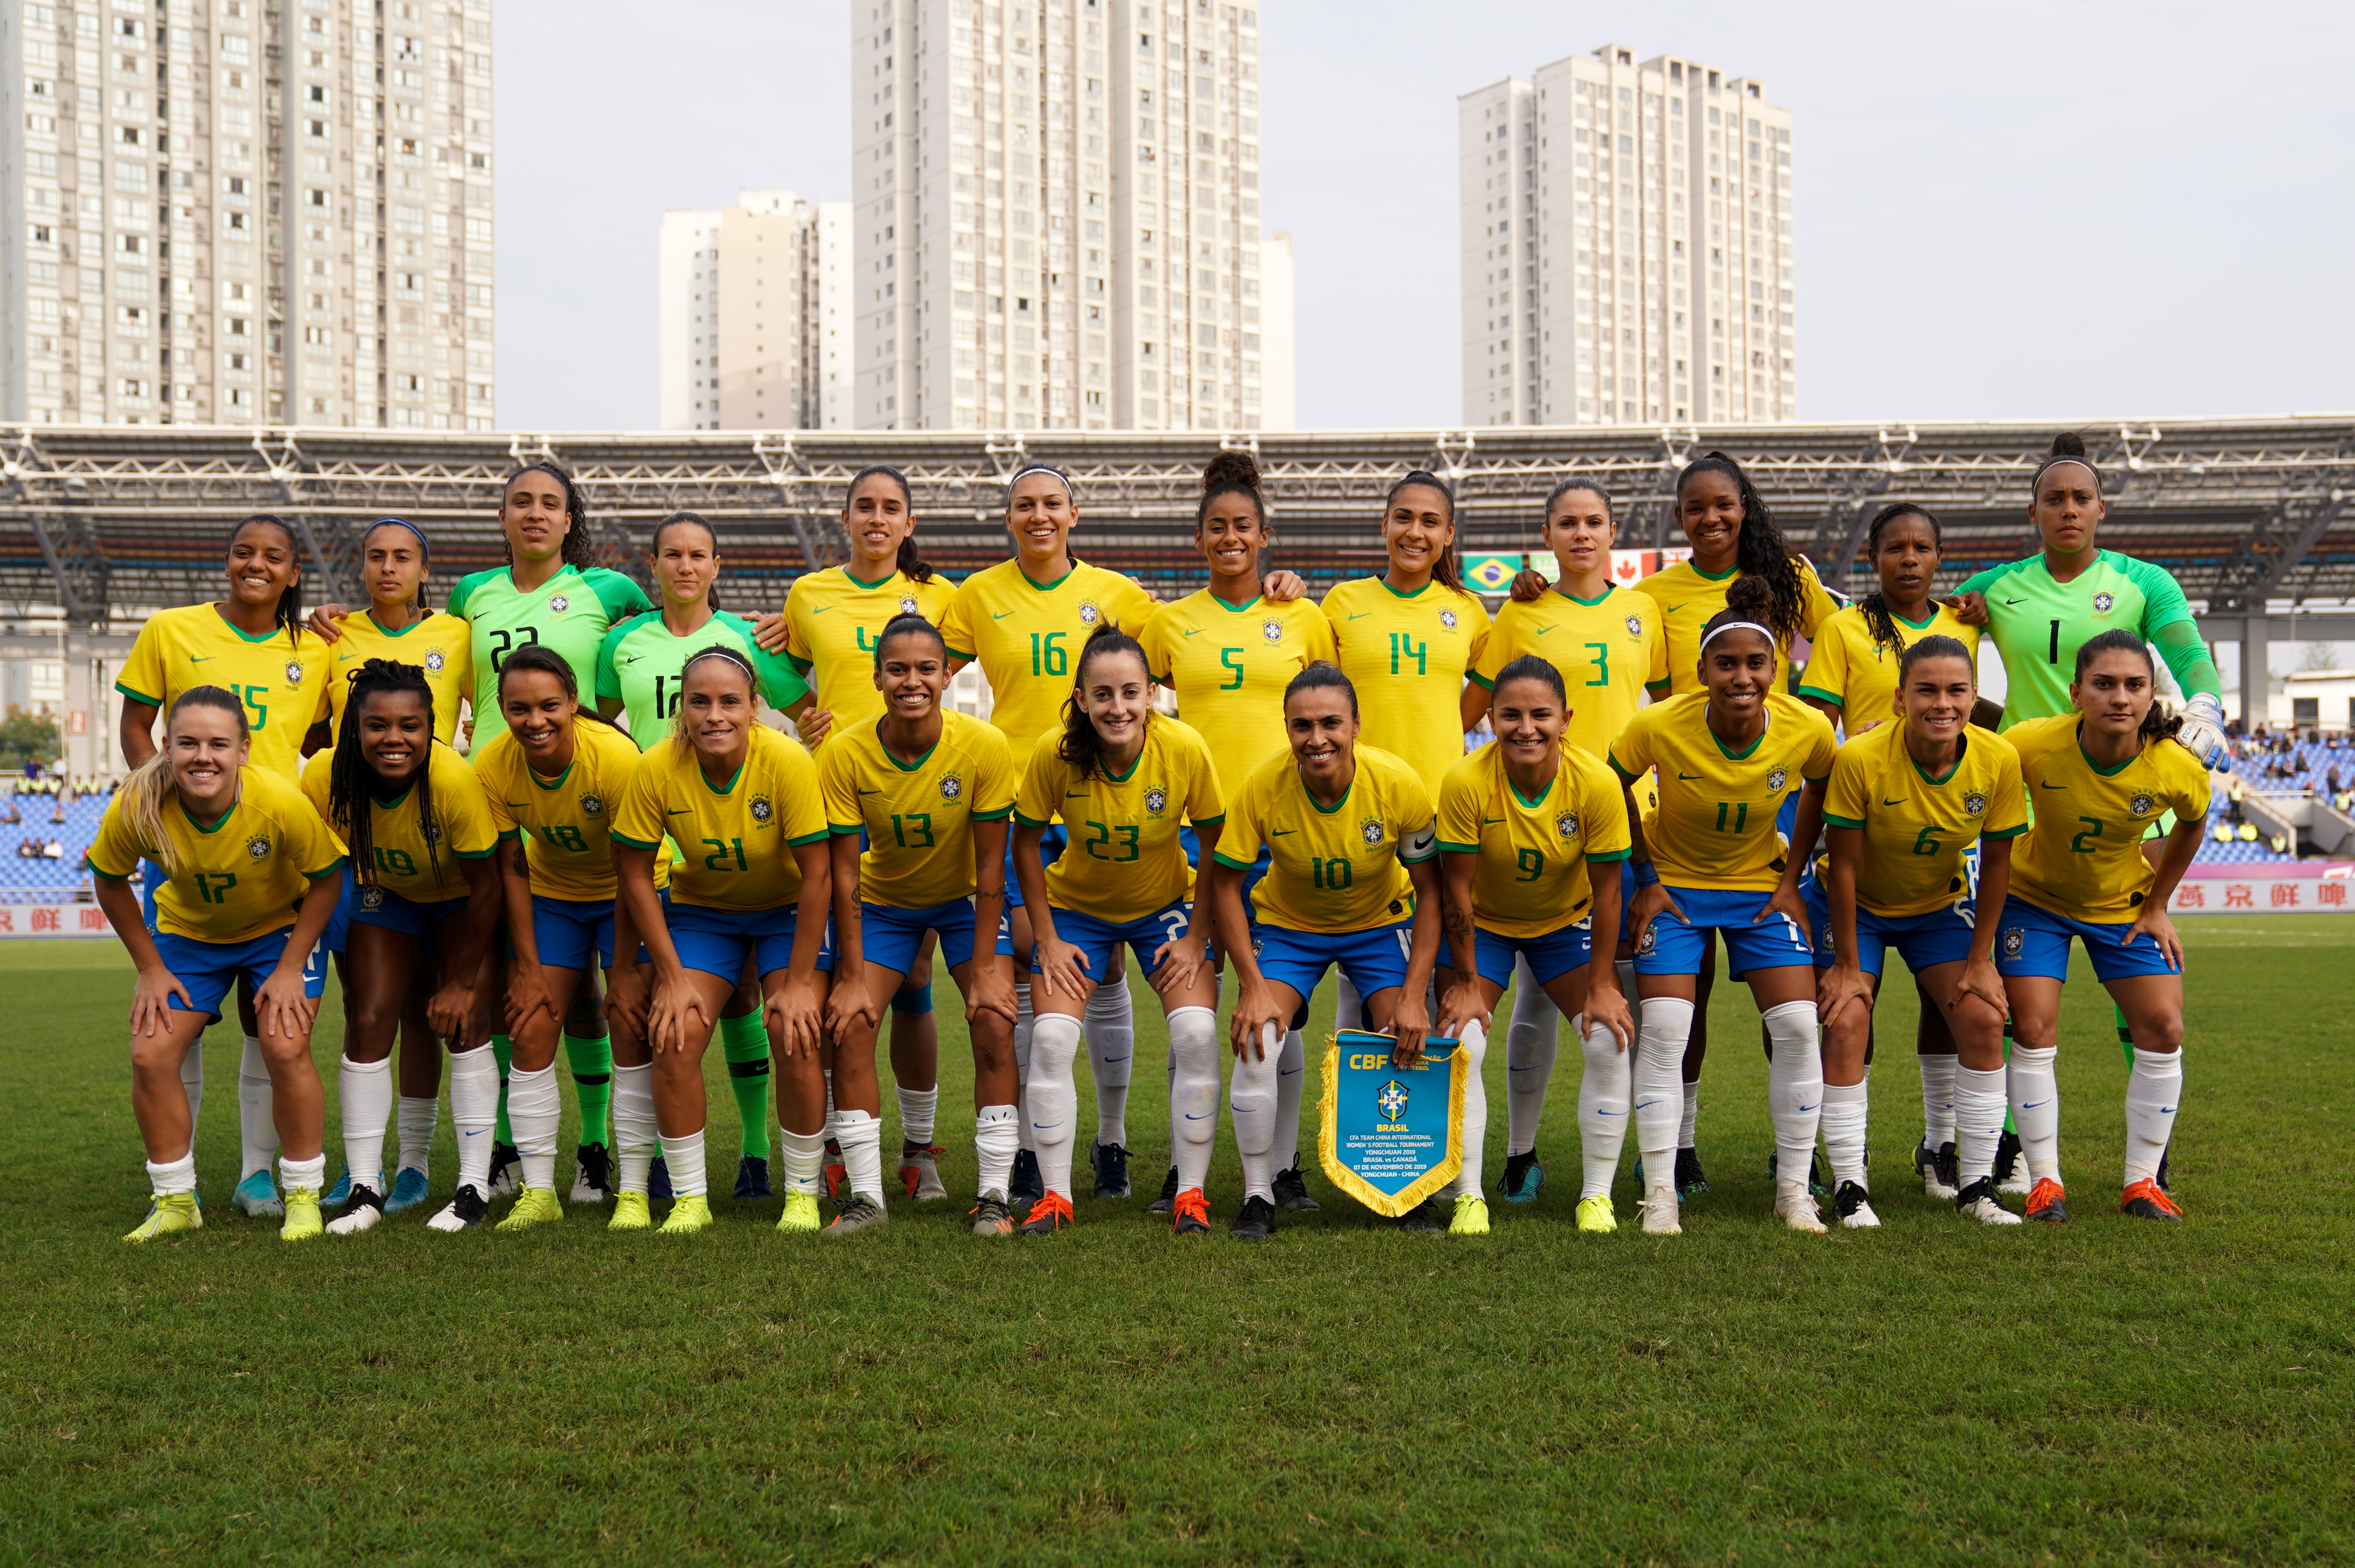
{"x":1627,"y":566}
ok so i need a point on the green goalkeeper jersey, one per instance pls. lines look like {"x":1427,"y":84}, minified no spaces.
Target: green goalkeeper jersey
{"x":640,"y":665}
{"x":570,"y":613}
{"x":2037,"y":625}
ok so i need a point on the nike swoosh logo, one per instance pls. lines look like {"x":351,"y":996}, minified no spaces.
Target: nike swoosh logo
{"x":2036,"y":1106}
{"x":1672,"y":608}
{"x":676,"y":812}
{"x":1191,"y":1116}
{"x":1646,"y":1105}
{"x":820,"y":610}
{"x":1293,"y":1074}
{"x":1279,"y":833}
{"x":1804,"y":1109}
{"x":1000,"y":615}
{"x":200,"y":657}
{"x":1688,"y":776}
{"x":1193,"y":632}
{"x":868,"y":792}
{"x":2166,"y":1110}
{"x":1898,"y":801}
{"x":516,"y":805}
{"x":2044,"y":785}
{"x":1359,"y":614}
{"x":1602,"y":1110}
{"x":1076,"y":795}
{"x":1543,"y":629}
{"x":1044,"y":1125}
{"x":2014,"y":601}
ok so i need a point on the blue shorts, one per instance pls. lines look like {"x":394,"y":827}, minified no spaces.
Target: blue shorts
{"x":722,"y":941}
{"x":1942,"y":935}
{"x":1550,"y":957}
{"x":1193,"y":847}
{"x":1098,"y":940}
{"x":2036,"y":942}
{"x":208,"y":969}
{"x":565,"y":930}
{"x":340,"y":924}
{"x":1051,"y":840}
{"x":1374,"y":958}
{"x":892,"y":937}
{"x":1674,"y":947}
{"x":383,"y":906}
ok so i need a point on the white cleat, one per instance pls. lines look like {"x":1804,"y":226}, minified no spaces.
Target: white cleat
{"x":464,"y":1213}
{"x":366,"y":1212}
{"x":1659,"y":1208}
{"x":1797,"y":1206}
{"x":2017,"y":1183}
{"x":1978,"y":1203}
{"x":1855,"y":1207}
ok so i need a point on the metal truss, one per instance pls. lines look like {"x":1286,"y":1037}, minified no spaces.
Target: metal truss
{"x":116,"y":521}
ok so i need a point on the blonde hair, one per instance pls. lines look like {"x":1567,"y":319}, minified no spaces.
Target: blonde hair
{"x":679,"y":728}
{"x":151,"y":788}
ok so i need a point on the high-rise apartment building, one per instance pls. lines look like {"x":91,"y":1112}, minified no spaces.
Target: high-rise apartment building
{"x":1627,"y":247}
{"x":1057,"y":218}
{"x":754,"y":321}
{"x":246,"y":212}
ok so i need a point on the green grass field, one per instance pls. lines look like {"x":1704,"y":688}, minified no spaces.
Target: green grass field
{"x":1931,"y":1393}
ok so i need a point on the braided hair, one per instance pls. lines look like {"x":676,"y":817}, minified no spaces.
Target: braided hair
{"x":289,"y":613}
{"x":2156,"y":724}
{"x":579,"y":536}
{"x":1759,"y":548}
{"x":914,"y":566}
{"x":1081,"y":747}
{"x":1443,"y":567}
{"x":1875,"y":605}
{"x":352,"y":782}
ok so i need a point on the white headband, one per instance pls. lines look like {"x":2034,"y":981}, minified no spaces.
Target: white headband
{"x":1737,"y":626}
{"x":1042,"y":468}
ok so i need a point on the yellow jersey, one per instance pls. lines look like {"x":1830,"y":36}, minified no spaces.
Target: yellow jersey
{"x":1337,"y":868}
{"x":568,"y":820}
{"x":1859,"y":675}
{"x":736,"y":840}
{"x":1715,"y":825}
{"x":1918,"y":829}
{"x":1408,"y":655}
{"x":2082,"y":855}
{"x":1533,"y":879}
{"x":1608,"y":649}
{"x":1229,"y":665}
{"x":1688,"y":596}
{"x":831,"y":622}
{"x":403,"y":858}
{"x":1124,"y":861}
{"x":282,"y":682}
{"x":1028,"y":637}
{"x":437,"y":642}
{"x":241,"y":876}
{"x":918,"y":816}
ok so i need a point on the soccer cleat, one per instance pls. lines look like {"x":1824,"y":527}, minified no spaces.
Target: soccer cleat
{"x":1110,"y":1162}
{"x":410,"y":1186}
{"x":2011,"y":1173}
{"x":861,"y":1213}
{"x":1978,"y":1202}
{"x":800,"y":1216}
{"x":1189,"y":1213}
{"x":1292,"y":1193}
{"x":537,"y":1206}
{"x":1047,"y":1215}
{"x":751,"y":1177}
{"x":592,"y":1173}
{"x":1930,"y":1164}
{"x":838,"y":1175}
{"x":1523,"y":1177}
{"x":1660,"y":1209}
{"x":658,"y":1181}
{"x":1691,"y":1183}
{"x":1255,"y":1221}
{"x":2165,"y":1185}
{"x":991,"y":1216}
{"x":256,"y":1198}
{"x":2048,"y":1204}
{"x":340,"y":1194}
{"x":689,"y":1216}
{"x":2146,"y":1200}
{"x":506,"y":1170}
{"x":1423,"y":1219}
{"x":919,"y":1172}
{"x":1026,"y":1186}
{"x":1168,"y":1199}
{"x":1795,"y":1206}
{"x":303,"y":1223}
{"x":631,"y":1213}
{"x":1596,"y":1216}
{"x":1471,"y":1215}
{"x":1816,"y":1186}
{"x":1855,"y":1207}
{"x":365,"y":1210}
{"x":173,"y":1212}
{"x":464,"y":1211}
{"x":1950,"y":1165}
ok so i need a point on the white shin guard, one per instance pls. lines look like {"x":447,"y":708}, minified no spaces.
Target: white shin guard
{"x":1473,"y":1043}
{"x":257,"y":1111}
{"x":1251,"y":1102}
{"x":2153,"y":1090}
{"x":1193,"y":1093}
{"x":1937,"y":1100}
{"x":366,"y":1090}
{"x":1291,"y":1076}
{"x":860,"y":1137}
{"x":1025,"y":1021}
{"x":534,"y":1107}
{"x":2036,"y":1109}
{"x":1112,"y":1055}
{"x":995,"y":1130}
{"x":1659,"y":1086}
{"x":1844,"y":1118}
{"x":1795,"y":1088}
{"x":1532,"y":1041}
{"x":474,"y":1112}
{"x":1053,"y":1102}
{"x":1602,"y":1090}
{"x":1978,"y":1121}
{"x":633,"y":1124}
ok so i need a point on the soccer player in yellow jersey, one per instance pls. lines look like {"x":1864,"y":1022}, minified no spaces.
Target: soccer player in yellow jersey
{"x":558,"y":774}
{"x":1532,"y":834}
{"x":741,"y":802}
{"x":421,"y":838}
{"x":1710,"y":863}
{"x":1123,"y":778}
{"x":2094,"y":781}
{"x":1907,"y":801}
{"x":1608,"y":644}
{"x":251,"y":875}
{"x":251,"y":645}
{"x":928,"y":791}
{"x":1352,"y":880}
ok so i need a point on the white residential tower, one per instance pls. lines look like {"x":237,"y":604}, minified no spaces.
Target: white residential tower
{"x":754,"y":317}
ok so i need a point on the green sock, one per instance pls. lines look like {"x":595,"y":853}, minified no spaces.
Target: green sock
{"x":2125,"y":1035}
{"x":746,"y":1041}
{"x":503,"y":1052}
{"x":2009,"y":1126}
{"x":591,"y":1062}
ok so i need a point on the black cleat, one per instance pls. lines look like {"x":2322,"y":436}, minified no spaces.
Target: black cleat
{"x":751,"y":1177}
{"x":1523,"y":1177}
{"x":506,"y":1170}
{"x":1932,"y":1167}
{"x":1691,"y":1183}
{"x":1168,"y":1201}
{"x":1110,"y":1162}
{"x":1424,"y":1220}
{"x":1978,"y":1202}
{"x":1026,"y":1186}
{"x":2164,"y":1184}
{"x":1950,"y":1164}
{"x":592,"y":1173}
{"x":1855,"y":1207}
{"x":2011,"y":1164}
{"x":1292,"y":1193}
{"x":658,"y":1181}
{"x":1256,"y":1222}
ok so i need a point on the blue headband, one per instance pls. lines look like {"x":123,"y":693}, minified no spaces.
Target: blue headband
{"x":424,"y":545}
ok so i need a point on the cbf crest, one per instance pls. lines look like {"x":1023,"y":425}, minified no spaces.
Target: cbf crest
{"x":1777,"y":779}
{"x":762,"y":812}
{"x":1089,"y":613}
{"x":2102,"y":603}
{"x":592,"y":804}
{"x":2141,"y":805}
{"x":1567,"y":826}
{"x":2015,"y":938}
{"x":294,"y":674}
{"x":1371,"y":830}
{"x":257,"y":847}
{"x":952,"y":787}
{"x":1974,"y":804}
{"x":560,"y":603}
{"x":1635,"y":628}
{"x":435,"y":660}
{"x":1272,"y":630}
{"x":1156,"y":800}
{"x":1447,"y":618}
{"x":907,"y":604}
{"x":1390,"y":1099}
{"x":1390,"y":1132}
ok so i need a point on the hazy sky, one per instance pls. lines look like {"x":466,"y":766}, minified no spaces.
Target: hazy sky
{"x":2005,"y":210}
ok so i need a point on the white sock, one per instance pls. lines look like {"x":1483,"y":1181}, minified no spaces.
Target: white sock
{"x":1844,"y":1115}
{"x":1978,"y":1121}
{"x":2153,"y":1090}
{"x":192,"y":1084}
{"x":683,"y":1152}
{"x":918,"y":1107}
{"x":297,"y":1173}
{"x":1690,"y":1112}
{"x":1112,"y":1055}
{"x":1937,"y":1100}
{"x":366,"y":1090}
{"x":475,"y":1111}
{"x":635,"y":1133}
{"x":1250,"y":1101}
{"x":416,"y":1116}
{"x":1291,"y":1076}
{"x":861,"y":1139}
{"x":803,"y":1154}
{"x":995,"y":1133}
{"x":1795,"y":1088}
{"x":1193,"y":1093}
{"x":174,"y":1175}
{"x":1532,"y":1042}
{"x":534,"y":1105}
{"x":1054,"y":1099}
{"x":1348,"y":1008}
{"x":1659,"y":1086}
{"x":1025,"y":1021}
{"x":256,"y":1109}
{"x":1602,"y":1108}
{"x":1472,"y":1045}
{"x":2036,"y":1109}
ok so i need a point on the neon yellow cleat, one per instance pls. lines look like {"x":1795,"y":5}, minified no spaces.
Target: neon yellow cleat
{"x":302,"y":1222}
{"x":1471,"y":1216}
{"x":173,"y":1212}
{"x":630,"y":1212}
{"x":1596,"y":1215}
{"x":801,"y":1213}
{"x":536,"y":1207}
{"x":687,"y":1216}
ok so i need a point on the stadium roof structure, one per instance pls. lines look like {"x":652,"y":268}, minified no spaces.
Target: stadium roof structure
{"x":104,"y":521}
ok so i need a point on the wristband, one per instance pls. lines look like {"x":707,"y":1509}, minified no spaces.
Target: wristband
{"x":1647,"y":875}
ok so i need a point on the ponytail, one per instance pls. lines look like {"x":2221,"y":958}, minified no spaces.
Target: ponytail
{"x":1081,"y":747}
{"x":1758,"y":549}
{"x":150,"y":786}
{"x":911,"y":564}
{"x":1875,"y":605}
{"x":2156,"y":724}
